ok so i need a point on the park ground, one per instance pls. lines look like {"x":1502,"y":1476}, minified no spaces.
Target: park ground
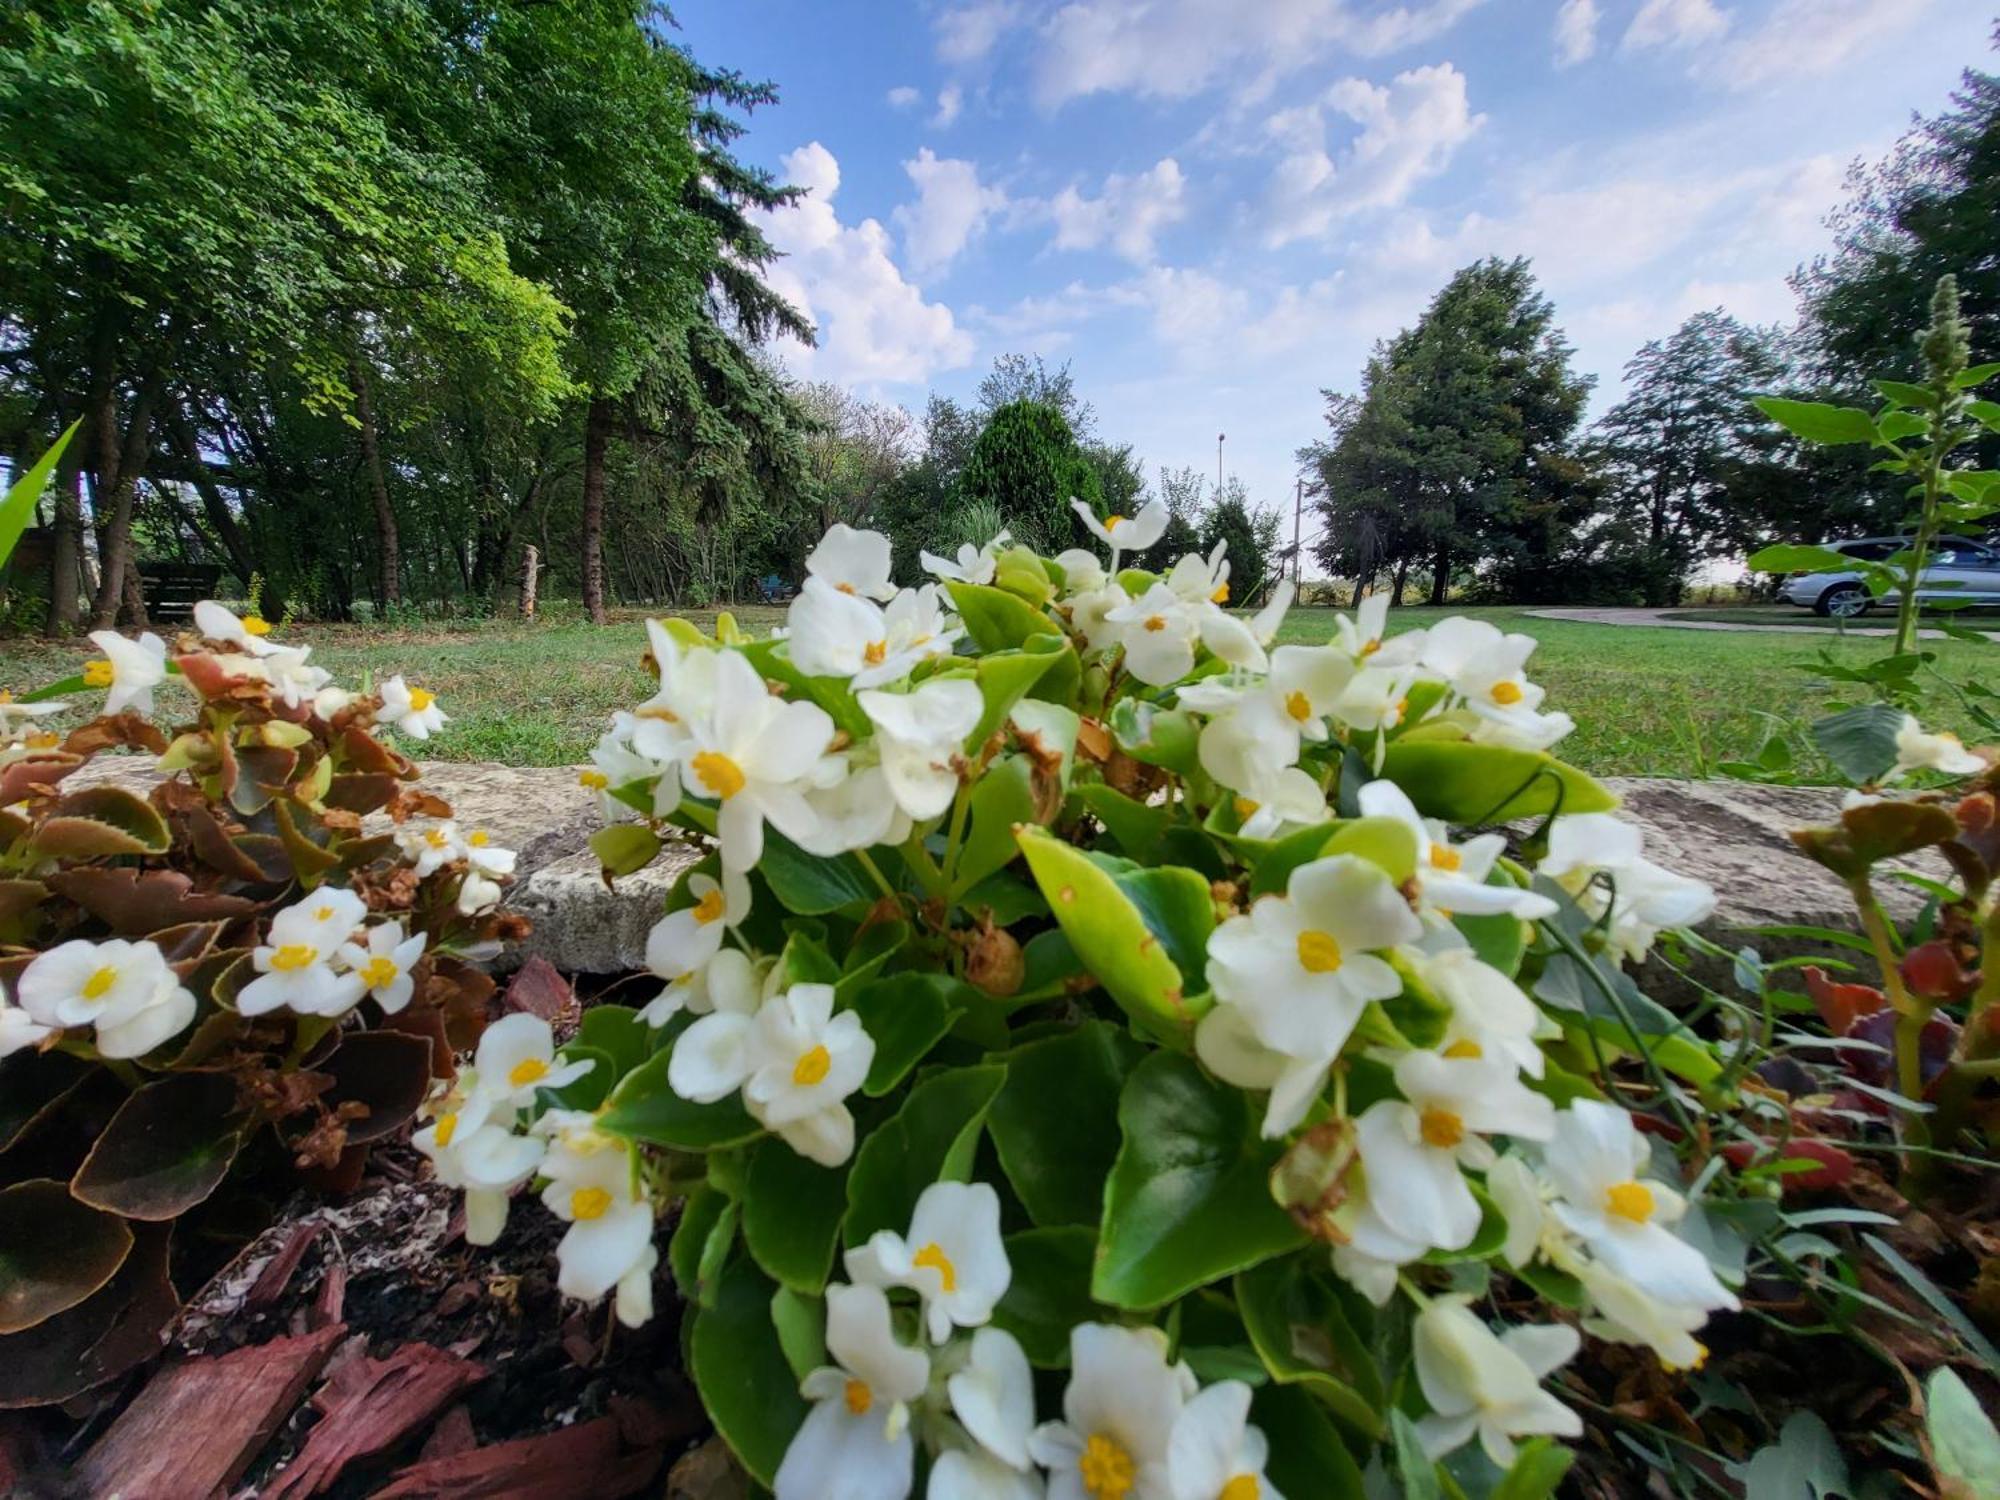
{"x":1647,"y":702}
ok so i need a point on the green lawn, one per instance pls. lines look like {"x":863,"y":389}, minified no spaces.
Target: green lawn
{"x":1646,"y":701}
{"x":1878,"y":619}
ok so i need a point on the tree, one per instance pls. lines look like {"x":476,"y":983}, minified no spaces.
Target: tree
{"x":855,"y":448}
{"x":1184,"y":490}
{"x":1459,"y":453}
{"x":1024,"y":377}
{"x":1027,"y":465}
{"x":1251,"y":535}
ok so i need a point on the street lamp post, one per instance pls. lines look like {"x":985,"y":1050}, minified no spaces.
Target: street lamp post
{"x":1218,"y":461}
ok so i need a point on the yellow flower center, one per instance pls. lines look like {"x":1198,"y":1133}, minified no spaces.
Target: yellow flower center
{"x":528,"y":1070}
{"x":435,"y":838}
{"x":845,"y":588}
{"x":252,"y":625}
{"x":654,"y":711}
{"x":447,"y":1127}
{"x":99,"y":984}
{"x":322,"y":914}
{"x":1944,"y":734}
{"x":1107,"y":1469}
{"x":379,"y":972}
{"x":933,"y":1255}
{"x":1444,"y":857}
{"x":875,"y":653}
{"x":421,"y":698}
{"x":709,"y":908}
{"x":1242,"y":1487}
{"x":1221,"y":594}
{"x":44,"y":741}
{"x":480,"y":839}
{"x":856,"y":1393}
{"x":1506,"y":694}
{"x":1402,"y":707}
{"x":1465,"y":1048}
{"x":97,"y":673}
{"x":1299,"y":706}
{"x":1441,"y":1129}
{"x":589,"y":1203}
{"x":1369,"y":648}
{"x":1156,"y":622}
{"x":721,"y":775}
{"x":1245,"y":807}
{"x":1630,"y":1200}
{"x":1318,"y":952}
{"x":1112,"y":523}
{"x":294,"y":956}
{"x":597,"y":781}
{"x":812,"y":1067}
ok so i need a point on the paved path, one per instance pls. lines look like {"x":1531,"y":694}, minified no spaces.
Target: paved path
{"x":1658,"y":619}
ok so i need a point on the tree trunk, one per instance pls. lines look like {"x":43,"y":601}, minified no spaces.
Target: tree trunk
{"x":596,"y":431}
{"x":531,"y":567}
{"x":236,"y":543}
{"x":1402,"y":577}
{"x":389,"y":571}
{"x":66,"y":561}
{"x":1440,"y":573}
{"x":124,"y":467}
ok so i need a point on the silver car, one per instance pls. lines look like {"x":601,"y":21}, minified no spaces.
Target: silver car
{"x":1957,"y":569}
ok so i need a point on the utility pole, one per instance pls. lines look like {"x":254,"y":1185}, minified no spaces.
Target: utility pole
{"x":1298,"y":510}
{"x":1218,"y":463}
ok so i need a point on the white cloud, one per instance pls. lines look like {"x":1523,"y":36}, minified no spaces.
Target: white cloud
{"x":1175,"y":48}
{"x":1804,"y":38}
{"x":967,"y":33}
{"x":903,"y":96}
{"x":1187,"y":306}
{"x":1675,"y":23}
{"x":952,"y":207}
{"x":1409,"y":129}
{"x":1127,"y":215}
{"x":950,"y":100}
{"x":874,"y":326}
{"x":1576,"y":31}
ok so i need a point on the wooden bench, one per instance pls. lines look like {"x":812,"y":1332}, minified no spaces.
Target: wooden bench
{"x":173,"y":588}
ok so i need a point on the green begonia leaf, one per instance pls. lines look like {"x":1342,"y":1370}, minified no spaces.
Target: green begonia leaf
{"x":1055,"y":1123}
{"x":644,"y":1108}
{"x":906,"y":1015}
{"x":701,"y":1243}
{"x":932,"y":1138}
{"x":1050,"y":1291}
{"x":997,"y":620}
{"x":739,"y":1366}
{"x":791,"y":1214}
{"x":1470,"y":784}
{"x":1297,"y":1324}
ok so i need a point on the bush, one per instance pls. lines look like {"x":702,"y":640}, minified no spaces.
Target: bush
{"x":225,"y":983}
{"x":1077,"y":1007}
{"x":1027,"y":465}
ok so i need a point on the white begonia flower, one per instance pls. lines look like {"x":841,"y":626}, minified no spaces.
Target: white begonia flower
{"x":756,"y":756}
{"x":1365,"y":637}
{"x":293,"y":679}
{"x":853,"y":562}
{"x":1644,"y":897}
{"x":1158,"y":631}
{"x":1123,"y":533}
{"x":249,"y":634}
{"x":1375,"y":698}
{"x":1516,"y":1190}
{"x":993,"y":1396}
{"x":477,"y":894}
{"x":412,"y":710}
{"x":329,"y":701}
{"x":1090,"y":613}
{"x":1302,"y":966}
{"x":296,"y":965}
{"x":17,"y":718}
{"x":476,"y":1153}
{"x":130,"y":669}
{"x":837,"y":635}
{"x":487,"y":857}
{"x":1526,"y":731}
{"x":1491,"y":1016}
{"x":1485,"y":668}
{"x":921,"y":735}
{"x":1414,"y":1148}
{"x":804,"y":1061}
{"x":1452,"y":878}
{"x":728,"y":982}
{"x":431,"y":849}
{"x":125,"y":990}
{"x":684,"y":941}
{"x":1082,"y":572}
{"x":1479,"y":1384}
{"x":1215,"y":1454}
{"x":858,"y":811}
{"x":517,"y":1056}
{"x":1248,"y":741}
{"x":18,"y":1029}
{"x":855,"y":1443}
{"x":1202,"y":580}
{"x":1624,"y":1313}
{"x":609,"y":1242}
{"x":383,"y":965}
{"x":975,"y":1474}
{"x":1372,"y":1254}
{"x":1306,"y":681}
{"x":1596,"y":1159}
{"x":1918,"y":751}
{"x":952,"y":1257}
{"x":712,"y":1058}
{"x":1119,"y":1410}
{"x":973,"y":564}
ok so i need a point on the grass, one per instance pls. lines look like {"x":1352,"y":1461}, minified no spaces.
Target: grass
{"x":1883,"y":618}
{"x":1646,"y":701}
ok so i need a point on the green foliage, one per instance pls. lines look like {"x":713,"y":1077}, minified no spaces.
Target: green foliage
{"x":1027,"y":465}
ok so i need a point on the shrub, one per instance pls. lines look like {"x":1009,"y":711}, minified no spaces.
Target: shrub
{"x":230,"y":979}
{"x":1026,"y":464}
{"x":1078,"y":1008}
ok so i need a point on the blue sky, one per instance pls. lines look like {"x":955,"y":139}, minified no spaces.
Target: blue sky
{"x":1213,"y":208}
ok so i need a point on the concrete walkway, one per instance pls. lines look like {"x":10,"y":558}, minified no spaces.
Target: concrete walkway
{"x":1658,"y":619}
